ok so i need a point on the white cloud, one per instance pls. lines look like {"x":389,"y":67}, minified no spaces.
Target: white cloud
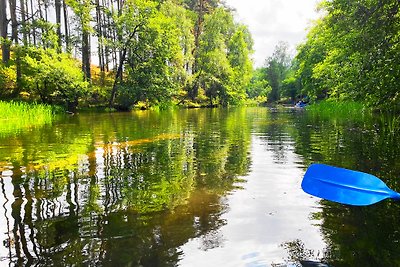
{"x":271,"y":21}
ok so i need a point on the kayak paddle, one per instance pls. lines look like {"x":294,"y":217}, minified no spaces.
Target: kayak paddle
{"x":345,"y":186}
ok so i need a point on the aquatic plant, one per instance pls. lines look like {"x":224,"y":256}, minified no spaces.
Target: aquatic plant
{"x":338,"y":109}
{"x":15,"y":116}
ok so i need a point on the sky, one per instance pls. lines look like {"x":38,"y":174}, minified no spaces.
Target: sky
{"x":271,"y":21}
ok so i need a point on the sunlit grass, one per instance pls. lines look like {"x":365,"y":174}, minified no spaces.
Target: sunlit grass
{"x":340,"y":109}
{"x":15,"y":116}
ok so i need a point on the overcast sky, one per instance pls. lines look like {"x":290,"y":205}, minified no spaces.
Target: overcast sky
{"x":271,"y":21}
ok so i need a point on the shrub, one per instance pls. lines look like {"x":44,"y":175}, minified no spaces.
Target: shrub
{"x":52,"y":77}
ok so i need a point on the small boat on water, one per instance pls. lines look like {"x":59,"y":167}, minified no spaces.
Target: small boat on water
{"x":300,"y":104}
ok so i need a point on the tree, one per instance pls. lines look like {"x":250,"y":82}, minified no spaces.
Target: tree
{"x":5,"y":44}
{"x":82,"y":9}
{"x":351,"y":53}
{"x":14,"y":21}
{"x":309,"y":54}
{"x":132,"y":18}
{"x":240,"y":47}
{"x":52,"y":77}
{"x":214,"y":71}
{"x":57,"y":5}
{"x":258,"y":87}
{"x":160,"y":50}
{"x":277,"y":66}
{"x":151,"y":55}
{"x":184,"y":21}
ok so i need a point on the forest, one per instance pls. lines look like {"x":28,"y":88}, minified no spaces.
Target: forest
{"x":351,"y":54}
{"x":124,"y":53}
{"x":121,"y":54}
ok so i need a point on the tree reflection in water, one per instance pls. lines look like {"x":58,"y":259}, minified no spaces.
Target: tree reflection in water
{"x":103,"y":192}
{"x":131,"y":189}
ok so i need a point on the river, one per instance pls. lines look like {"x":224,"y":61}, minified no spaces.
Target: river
{"x":199,"y":187}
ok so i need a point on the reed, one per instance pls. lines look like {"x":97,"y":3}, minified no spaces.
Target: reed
{"x":338,"y":109}
{"x":15,"y":116}
{"x":390,"y":123}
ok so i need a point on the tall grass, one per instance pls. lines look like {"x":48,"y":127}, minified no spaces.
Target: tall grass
{"x":15,"y":116}
{"x":390,"y":124}
{"x":341,"y":109}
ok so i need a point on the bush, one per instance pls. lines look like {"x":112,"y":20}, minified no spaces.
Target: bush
{"x":52,"y":77}
{"x":8,"y":78}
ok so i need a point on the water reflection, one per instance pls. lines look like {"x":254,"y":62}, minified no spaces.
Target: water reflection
{"x":193,"y":188}
{"x":356,"y":236}
{"x":121,"y":189}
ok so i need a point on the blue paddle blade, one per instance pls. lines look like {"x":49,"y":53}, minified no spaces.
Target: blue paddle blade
{"x":345,"y":186}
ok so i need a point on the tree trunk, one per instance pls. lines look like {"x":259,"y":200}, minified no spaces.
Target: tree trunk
{"x":118,"y":75}
{"x":66,"y":29}
{"x":106,"y":22}
{"x":100,"y":48}
{"x":57,"y":4}
{"x":33,"y":27}
{"x":14,"y":22}
{"x":86,"y":54}
{"x":5,"y":46}
{"x":40,"y":8}
{"x":23,"y":22}
{"x":198,"y":28}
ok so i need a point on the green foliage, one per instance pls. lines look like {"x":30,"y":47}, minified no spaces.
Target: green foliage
{"x":204,"y":61}
{"x":15,"y":116}
{"x":154,"y":67}
{"x":338,"y":109}
{"x":82,"y":9}
{"x":49,"y":36}
{"x":258,"y":86}
{"x":224,"y":59}
{"x":183,"y":19}
{"x":51,"y":76}
{"x":277,"y":67}
{"x":275,"y":79}
{"x":8,"y":80}
{"x":239,"y":51}
{"x":352,"y":53}
{"x":161,"y":51}
{"x":291,"y":87}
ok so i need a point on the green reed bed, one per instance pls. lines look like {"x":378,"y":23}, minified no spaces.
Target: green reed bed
{"x":15,"y":116}
{"x":342,"y":109}
{"x":390,"y":123}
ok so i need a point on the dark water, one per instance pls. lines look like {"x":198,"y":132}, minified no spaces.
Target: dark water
{"x":207,"y":187}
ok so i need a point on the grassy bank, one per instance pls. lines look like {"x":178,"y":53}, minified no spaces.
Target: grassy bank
{"x":15,"y":116}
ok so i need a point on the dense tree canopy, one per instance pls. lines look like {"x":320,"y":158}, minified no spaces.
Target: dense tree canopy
{"x":153,"y":51}
{"x":353,"y":53}
{"x":192,"y":52}
{"x":350,"y":53}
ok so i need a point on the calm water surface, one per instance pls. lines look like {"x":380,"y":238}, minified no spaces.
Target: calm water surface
{"x":210,"y":187}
